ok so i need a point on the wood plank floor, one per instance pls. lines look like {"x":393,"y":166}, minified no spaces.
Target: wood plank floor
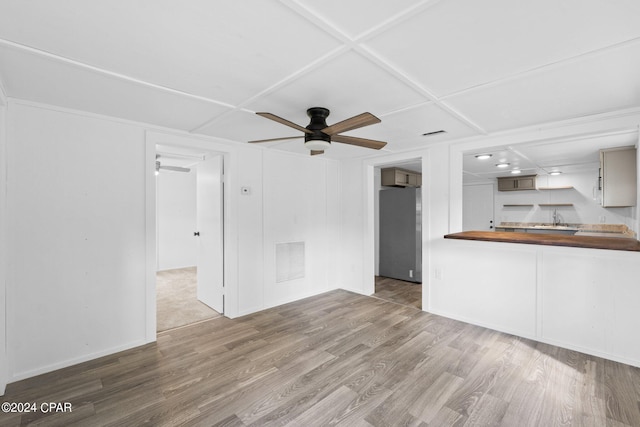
{"x":399,"y":291}
{"x":337,"y":359}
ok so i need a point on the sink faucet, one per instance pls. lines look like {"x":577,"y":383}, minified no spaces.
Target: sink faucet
{"x":556,"y":217}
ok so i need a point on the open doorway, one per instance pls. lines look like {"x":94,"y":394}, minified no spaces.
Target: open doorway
{"x":398,"y":232}
{"x":189,"y":230}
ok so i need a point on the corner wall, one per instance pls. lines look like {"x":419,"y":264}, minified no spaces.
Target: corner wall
{"x":76,"y":238}
{"x":3,"y":242}
{"x":80,"y":230}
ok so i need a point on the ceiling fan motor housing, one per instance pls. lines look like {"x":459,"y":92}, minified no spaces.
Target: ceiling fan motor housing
{"x":317,"y":140}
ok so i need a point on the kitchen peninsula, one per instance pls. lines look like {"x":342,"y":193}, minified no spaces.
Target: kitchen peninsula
{"x":611,"y":243}
{"x":576,"y":292}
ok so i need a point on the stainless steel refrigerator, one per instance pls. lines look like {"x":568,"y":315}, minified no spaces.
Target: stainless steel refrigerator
{"x":400,"y":234}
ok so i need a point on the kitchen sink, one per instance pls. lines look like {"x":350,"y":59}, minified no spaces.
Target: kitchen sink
{"x":555,"y":227}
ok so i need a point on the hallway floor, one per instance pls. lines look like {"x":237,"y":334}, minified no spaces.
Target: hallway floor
{"x":399,"y":291}
{"x":177,"y":302}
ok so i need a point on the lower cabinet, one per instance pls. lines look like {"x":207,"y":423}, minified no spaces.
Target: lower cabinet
{"x":581,"y":299}
{"x":589,"y":302}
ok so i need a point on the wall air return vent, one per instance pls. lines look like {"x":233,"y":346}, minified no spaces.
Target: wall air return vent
{"x":289,"y":261}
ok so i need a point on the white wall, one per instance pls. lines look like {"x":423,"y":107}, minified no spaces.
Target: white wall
{"x":353,"y":276}
{"x":80,"y":222}
{"x":301,"y":204}
{"x":76,"y":238}
{"x":176,"y":207}
{"x":3,"y":242}
{"x":250,"y":207}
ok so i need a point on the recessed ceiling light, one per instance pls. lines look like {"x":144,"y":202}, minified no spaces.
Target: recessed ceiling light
{"x":502,"y":165}
{"x":516,"y":171}
{"x":483,"y":156}
{"x":555,"y":173}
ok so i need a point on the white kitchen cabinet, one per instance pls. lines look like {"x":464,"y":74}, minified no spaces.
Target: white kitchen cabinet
{"x":618,"y":181}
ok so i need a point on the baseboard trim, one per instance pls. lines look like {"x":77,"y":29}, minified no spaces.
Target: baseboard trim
{"x":18,"y":376}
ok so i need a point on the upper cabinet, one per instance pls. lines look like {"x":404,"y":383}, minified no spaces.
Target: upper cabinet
{"x":508,"y":183}
{"x":397,"y":177}
{"x":618,"y":180}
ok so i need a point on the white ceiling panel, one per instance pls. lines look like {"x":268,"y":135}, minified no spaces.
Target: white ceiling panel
{"x":404,"y":130}
{"x":32,"y":77}
{"x":463,"y":66}
{"x":594,"y":84}
{"x":457,"y":44}
{"x":337,"y":151}
{"x":227,"y":50}
{"x":489,"y":166}
{"x":576,"y":152}
{"x":347,"y":85}
{"x":567,"y":156}
{"x":243,"y":126}
{"x":355,"y":17}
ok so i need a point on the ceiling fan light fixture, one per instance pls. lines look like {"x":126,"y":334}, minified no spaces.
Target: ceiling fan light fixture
{"x":317,"y":144}
{"x":483,"y":156}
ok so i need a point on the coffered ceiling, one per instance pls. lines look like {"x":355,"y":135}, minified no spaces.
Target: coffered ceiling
{"x":462,"y":66}
{"x":576,"y":155}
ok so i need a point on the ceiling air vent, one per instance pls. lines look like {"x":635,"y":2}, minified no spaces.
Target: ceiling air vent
{"x":434,"y":133}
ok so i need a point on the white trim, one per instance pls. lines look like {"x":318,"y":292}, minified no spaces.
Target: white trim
{"x":368,"y":249}
{"x":230,"y":161}
{"x":150,"y":241}
{"x":541,"y":68}
{"x":74,"y":361}
{"x":3,"y":95}
{"x":147,"y":126}
{"x":78,"y":64}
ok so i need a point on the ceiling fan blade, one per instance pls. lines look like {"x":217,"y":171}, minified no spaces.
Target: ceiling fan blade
{"x":284,"y":122}
{"x":360,"y":142}
{"x":355,"y":122}
{"x":174,"y":168}
{"x":316,"y":152}
{"x":276,"y":139}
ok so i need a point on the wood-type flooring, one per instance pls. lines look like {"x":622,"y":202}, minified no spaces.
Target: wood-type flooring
{"x":337,"y":359}
{"x":399,"y":291}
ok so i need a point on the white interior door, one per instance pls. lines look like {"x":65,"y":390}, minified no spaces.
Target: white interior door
{"x":477,"y":207}
{"x":210,"y":229}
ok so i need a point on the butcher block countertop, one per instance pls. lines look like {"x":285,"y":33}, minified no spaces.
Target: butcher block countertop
{"x":612,"y":243}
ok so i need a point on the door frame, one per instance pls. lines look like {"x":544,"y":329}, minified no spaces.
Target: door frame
{"x":493,"y":204}
{"x":369,"y":247}
{"x":230,"y":227}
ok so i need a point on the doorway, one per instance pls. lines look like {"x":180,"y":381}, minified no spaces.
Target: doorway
{"x":189,"y":230}
{"x":478,"y":207}
{"x":398,"y":233}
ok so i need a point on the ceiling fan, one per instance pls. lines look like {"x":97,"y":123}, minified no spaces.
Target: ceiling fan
{"x":160,"y":167}
{"x":318,"y":135}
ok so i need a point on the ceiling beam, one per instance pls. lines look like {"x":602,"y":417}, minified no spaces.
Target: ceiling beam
{"x":78,"y":64}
